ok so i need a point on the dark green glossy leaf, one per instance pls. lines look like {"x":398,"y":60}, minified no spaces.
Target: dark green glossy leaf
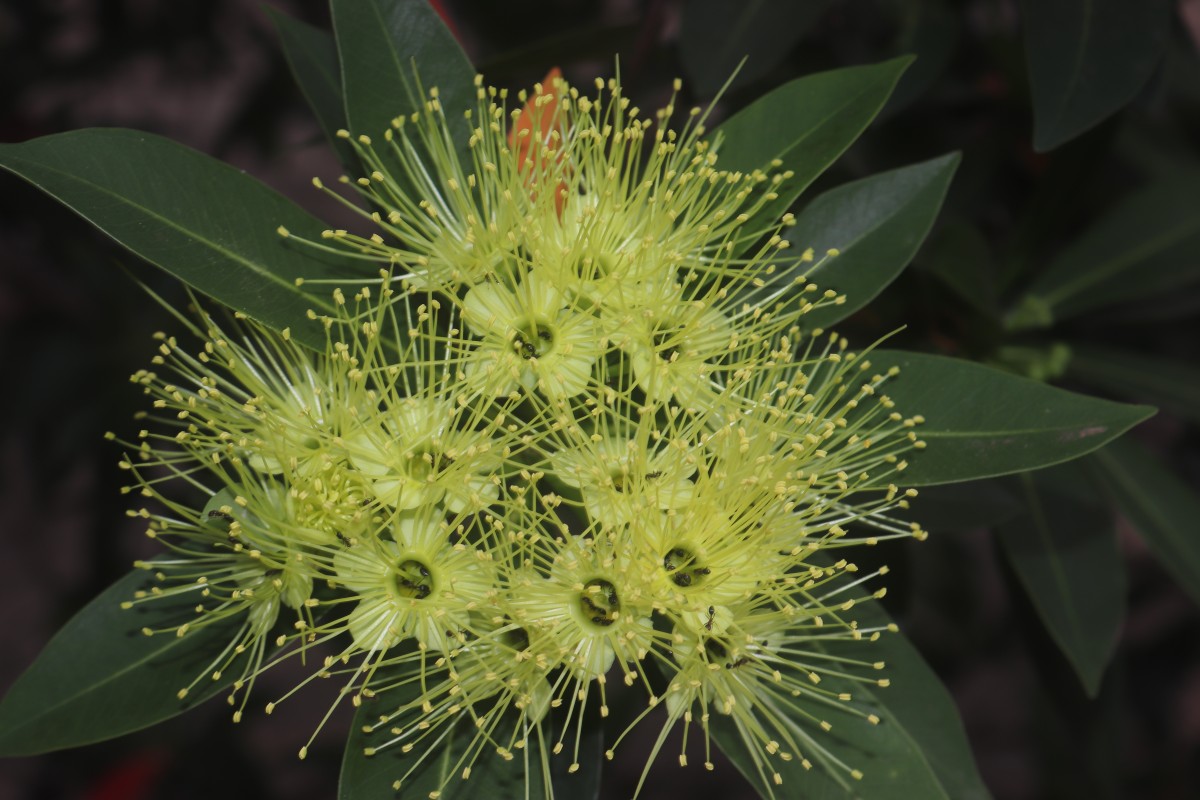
{"x":981,"y":422}
{"x":807,"y":124}
{"x":919,"y":748}
{"x":717,"y":35}
{"x":1054,"y":205}
{"x":364,"y":777}
{"x":313,"y":57}
{"x":101,"y":677}
{"x":1087,"y":58}
{"x":1171,"y":384}
{"x":210,"y":225}
{"x":1064,"y":552}
{"x":385,"y":47}
{"x":1165,"y":510}
{"x":1147,"y":244}
{"x":583,"y":783}
{"x":876,"y":223}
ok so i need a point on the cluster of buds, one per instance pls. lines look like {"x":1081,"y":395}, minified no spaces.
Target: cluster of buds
{"x":574,"y":440}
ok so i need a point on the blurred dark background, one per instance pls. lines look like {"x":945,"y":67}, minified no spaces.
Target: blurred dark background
{"x":210,"y":73}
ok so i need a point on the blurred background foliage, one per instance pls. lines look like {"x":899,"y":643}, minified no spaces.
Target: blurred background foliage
{"x":1058,"y":607}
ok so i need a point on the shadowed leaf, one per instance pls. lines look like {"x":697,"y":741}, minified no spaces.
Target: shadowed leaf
{"x":1087,"y":58}
{"x":1064,"y":551}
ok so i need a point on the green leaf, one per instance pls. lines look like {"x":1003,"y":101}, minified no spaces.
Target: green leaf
{"x":1165,"y":510}
{"x":210,"y":225}
{"x":101,"y":677}
{"x":583,"y":783}
{"x":1147,"y":244}
{"x":931,"y":31}
{"x":313,"y":58}
{"x":963,"y":506}
{"x":1064,"y":552}
{"x":806,"y":124}
{"x":384,"y":45}
{"x":981,"y":422}
{"x":1087,"y":58}
{"x":369,"y":776}
{"x":918,"y":749}
{"x":717,"y":35}
{"x":876,"y":223}
{"x":959,"y":255}
{"x":1167,"y":382}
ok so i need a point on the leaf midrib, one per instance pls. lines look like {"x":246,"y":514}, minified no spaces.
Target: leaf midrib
{"x":1008,"y":432}
{"x":165,"y":221}
{"x":1076,"y":67}
{"x":1062,"y":586}
{"x":808,"y":132}
{"x":47,"y":710}
{"x":1126,"y":258}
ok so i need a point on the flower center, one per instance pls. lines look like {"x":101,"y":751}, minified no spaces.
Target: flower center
{"x":515,"y":639}
{"x":684,"y":568}
{"x":424,"y":463}
{"x":721,"y":651}
{"x":533,"y":340}
{"x":413,"y":580}
{"x":599,"y":602}
{"x":716,"y":649}
{"x":666,"y":343}
{"x":622,"y":481}
{"x":594,"y":268}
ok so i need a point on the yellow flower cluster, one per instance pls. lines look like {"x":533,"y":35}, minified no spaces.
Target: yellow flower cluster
{"x":575,"y":433}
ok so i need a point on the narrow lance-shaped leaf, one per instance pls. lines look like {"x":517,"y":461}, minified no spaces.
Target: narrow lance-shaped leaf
{"x":210,"y":225}
{"x":101,"y":677}
{"x":1164,"y":509}
{"x":1087,"y":58}
{"x":981,"y":422}
{"x":1064,"y":552}
{"x":582,"y":783}
{"x":313,"y":57}
{"x":806,"y":124}
{"x":931,"y":31}
{"x":384,"y":45}
{"x":1146,"y":245}
{"x":918,"y":749}
{"x":876,"y":225}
